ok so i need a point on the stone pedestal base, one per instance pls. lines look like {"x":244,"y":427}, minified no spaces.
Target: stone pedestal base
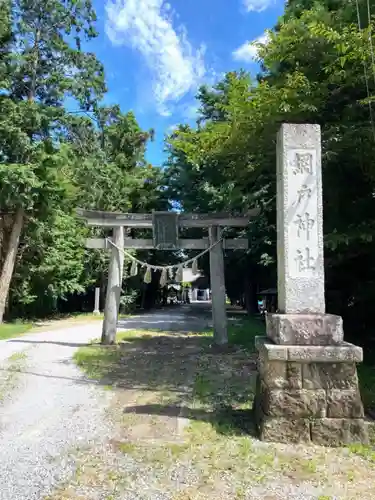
{"x":305,"y":329}
{"x":309,"y":394}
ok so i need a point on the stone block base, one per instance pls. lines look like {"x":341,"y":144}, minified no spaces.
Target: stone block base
{"x":305,"y":329}
{"x":309,"y":396}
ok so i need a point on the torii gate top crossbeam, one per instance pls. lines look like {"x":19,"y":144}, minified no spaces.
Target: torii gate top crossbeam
{"x":112,"y":219}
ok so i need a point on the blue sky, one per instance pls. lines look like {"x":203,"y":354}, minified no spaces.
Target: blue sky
{"x":157,"y":53}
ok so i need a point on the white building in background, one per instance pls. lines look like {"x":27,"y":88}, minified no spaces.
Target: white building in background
{"x":199,"y":289}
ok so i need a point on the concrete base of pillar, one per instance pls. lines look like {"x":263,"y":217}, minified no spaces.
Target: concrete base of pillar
{"x":305,"y":329}
{"x":309,"y":394}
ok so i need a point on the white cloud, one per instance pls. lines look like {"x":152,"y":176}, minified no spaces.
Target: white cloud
{"x":248,"y":52}
{"x":257,"y":5}
{"x":190,"y":111}
{"x":146,"y":26}
{"x":172,"y":128}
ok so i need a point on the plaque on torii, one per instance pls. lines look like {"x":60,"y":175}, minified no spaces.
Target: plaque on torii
{"x":165,"y":230}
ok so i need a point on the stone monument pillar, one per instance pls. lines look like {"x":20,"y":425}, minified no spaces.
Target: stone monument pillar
{"x":97,"y":302}
{"x":307,"y":387}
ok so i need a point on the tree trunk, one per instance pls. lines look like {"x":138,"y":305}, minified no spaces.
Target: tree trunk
{"x":10,"y":259}
{"x":36,"y":55}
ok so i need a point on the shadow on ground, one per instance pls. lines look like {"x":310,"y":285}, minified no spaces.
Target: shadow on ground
{"x":49,"y":342}
{"x":213,"y":385}
{"x":225,"y":420}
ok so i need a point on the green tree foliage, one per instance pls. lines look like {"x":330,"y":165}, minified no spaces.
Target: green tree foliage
{"x":5,"y":37}
{"x":312,"y":72}
{"x":52,"y":160}
{"x":43,"y":68}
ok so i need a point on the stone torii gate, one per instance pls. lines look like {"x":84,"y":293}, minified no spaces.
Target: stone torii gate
{"x":165,"y":226}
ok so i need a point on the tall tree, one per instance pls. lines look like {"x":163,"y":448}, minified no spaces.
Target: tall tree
{"x":5,"y":38}
{"x":47,"y":65}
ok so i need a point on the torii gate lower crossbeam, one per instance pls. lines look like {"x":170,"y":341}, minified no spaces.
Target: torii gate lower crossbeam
{"x":120,"y":221}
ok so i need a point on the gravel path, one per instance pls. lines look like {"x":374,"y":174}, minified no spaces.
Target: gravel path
{"x":54,"y":409}
{"x":187,"y":318}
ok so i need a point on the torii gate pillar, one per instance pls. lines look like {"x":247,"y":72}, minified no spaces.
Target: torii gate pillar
{"x":219,"y":312}
{"x":112,"y":301}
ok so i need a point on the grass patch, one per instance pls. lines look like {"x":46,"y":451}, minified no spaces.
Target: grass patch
{"x":82,"y":316}
{"x":243,"y":330}
{"x":17,"y":356}
{"x":367,"y":452}
{"x":141,"y":360}
{"x":202,"y":386}
{"x":10,"y":373}
{"x":72,"y":316}
{"x":10,"y":330}
{"x":96,"y":360}
{"x":64,"y":321}
{"x":224,"y":383}
{"x":127,"y":447}
{"x":19,"y":327}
